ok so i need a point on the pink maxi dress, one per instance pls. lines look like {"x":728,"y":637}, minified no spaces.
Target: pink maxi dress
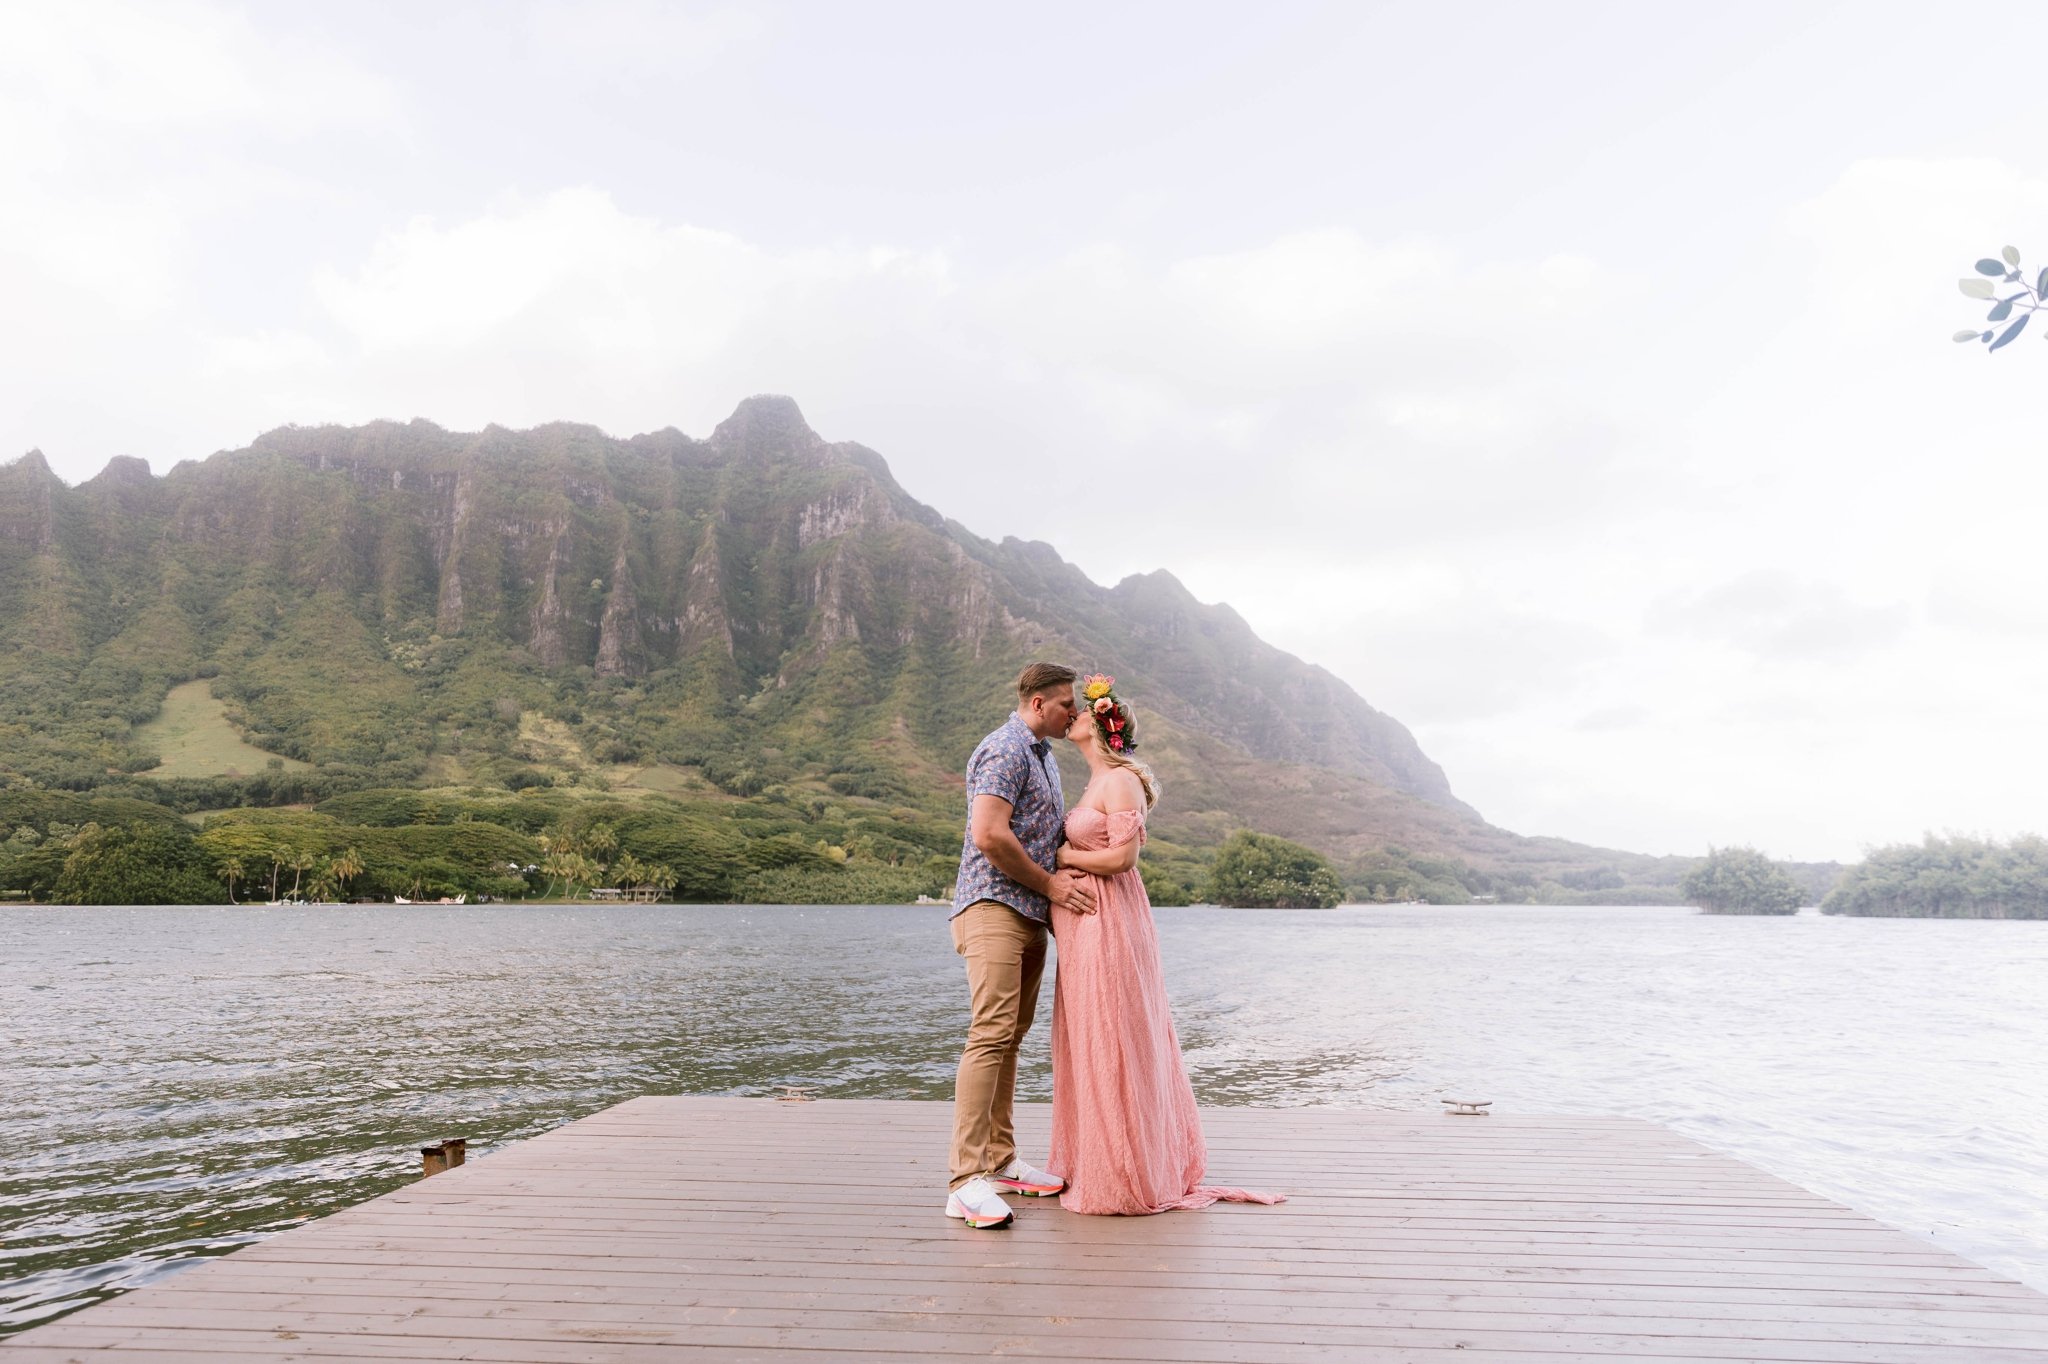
{"x":1125,"y":1132}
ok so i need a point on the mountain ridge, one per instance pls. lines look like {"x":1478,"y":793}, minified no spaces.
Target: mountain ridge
{"x":396,"y":602}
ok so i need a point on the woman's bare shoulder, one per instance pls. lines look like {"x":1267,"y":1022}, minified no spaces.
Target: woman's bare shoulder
{"x":1123,"y":791}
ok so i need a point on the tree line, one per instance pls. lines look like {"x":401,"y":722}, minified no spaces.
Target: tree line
{"x":1941,"y":877}
{"x":66,"y":848}
{"x":1952,"y":877}
{"x":540,"y":843}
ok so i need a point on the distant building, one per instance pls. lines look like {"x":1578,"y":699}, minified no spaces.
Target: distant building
{"x":639,"y":895}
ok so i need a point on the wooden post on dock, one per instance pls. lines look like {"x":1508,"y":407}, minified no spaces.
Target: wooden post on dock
{"x":443,"y":1155}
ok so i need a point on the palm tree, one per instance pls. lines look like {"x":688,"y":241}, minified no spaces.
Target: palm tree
{"x":584,"y":871}
{"x":300,"y":862}
{"x":346,"y":867}
{"x":627,"y":872}
{"x":598,"y":844}
{"x":230,"y":871}
{"x":559,"y":865}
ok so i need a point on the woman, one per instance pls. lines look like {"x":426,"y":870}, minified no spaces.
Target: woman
{"x":1125,"y":1132}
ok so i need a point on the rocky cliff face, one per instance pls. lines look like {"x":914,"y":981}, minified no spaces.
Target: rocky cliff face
{"x":759,"y":562}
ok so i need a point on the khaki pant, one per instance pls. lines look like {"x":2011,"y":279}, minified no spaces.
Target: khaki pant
{"x":1005,"y":955}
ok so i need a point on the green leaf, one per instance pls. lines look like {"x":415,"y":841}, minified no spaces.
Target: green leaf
{"x":2010,"y":332}
{"x":1964,"y":336}
{"x":2012,"y":255}
{"x":1987,"y":266}
{"x":1976,"y":288}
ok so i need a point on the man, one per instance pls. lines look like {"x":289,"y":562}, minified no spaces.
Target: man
{"x":1001,"y":913}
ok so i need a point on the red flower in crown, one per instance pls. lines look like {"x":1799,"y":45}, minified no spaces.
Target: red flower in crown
{"x":1112,"y":716}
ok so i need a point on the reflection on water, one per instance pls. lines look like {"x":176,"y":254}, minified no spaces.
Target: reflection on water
{"x":175,"y":1083}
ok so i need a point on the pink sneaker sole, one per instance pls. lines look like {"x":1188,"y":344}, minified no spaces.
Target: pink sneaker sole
{"x":979,"y":1224}
{"x":1029,"y":1190}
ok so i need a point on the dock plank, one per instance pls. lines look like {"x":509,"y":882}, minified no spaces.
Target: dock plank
{"x":747,"y":1229}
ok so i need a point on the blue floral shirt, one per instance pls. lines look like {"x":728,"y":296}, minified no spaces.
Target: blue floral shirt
{"x":1017,"y":765}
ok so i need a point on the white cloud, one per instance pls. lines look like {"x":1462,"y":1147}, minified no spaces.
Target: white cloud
{"x":1612,"y":717}
{"x":566,"y":303}
{"x":129,"y":133}
{"x":575,"y":274}
{"x":159,"y":68}
{"x":568,"y":307}
{"x":77,"y":262}
{"x":1774,"y":614}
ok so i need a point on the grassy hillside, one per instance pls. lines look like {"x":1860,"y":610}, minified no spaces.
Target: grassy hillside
{"x":192,"y":737}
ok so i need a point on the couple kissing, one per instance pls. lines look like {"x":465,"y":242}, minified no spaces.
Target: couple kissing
{"x":1126,"y":1137}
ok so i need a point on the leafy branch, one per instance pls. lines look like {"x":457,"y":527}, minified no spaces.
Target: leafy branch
{"x":2029,"y":299}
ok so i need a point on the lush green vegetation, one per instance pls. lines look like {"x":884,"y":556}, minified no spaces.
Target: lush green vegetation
{"x":1948,"y":878}
{"x":1740,"y":881}
{"x":384,"y":843}
{"x":786,"y":846}
{"x":539,"y":843}
{"x":1396,"y":874}
{"x":1260,"y":871}
{"x":132,"y":864}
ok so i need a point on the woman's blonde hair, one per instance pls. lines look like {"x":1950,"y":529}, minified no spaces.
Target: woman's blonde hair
{"x":1130,"y":764}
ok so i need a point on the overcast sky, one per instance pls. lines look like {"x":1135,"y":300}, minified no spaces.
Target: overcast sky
{"x":1572,"y":379}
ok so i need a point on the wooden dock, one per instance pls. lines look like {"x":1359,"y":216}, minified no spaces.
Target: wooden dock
{"x":750,"y":1229}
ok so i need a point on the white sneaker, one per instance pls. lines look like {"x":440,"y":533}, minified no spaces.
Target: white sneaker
{"x":979,"y":1205}
{"x":1028,"y":1180}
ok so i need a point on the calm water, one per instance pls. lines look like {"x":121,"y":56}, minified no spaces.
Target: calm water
{"x":175,"y":1083}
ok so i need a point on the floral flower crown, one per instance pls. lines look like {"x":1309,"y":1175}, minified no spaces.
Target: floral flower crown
{"x":1112,"y":716}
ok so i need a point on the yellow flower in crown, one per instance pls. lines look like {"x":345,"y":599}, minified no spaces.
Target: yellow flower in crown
{"x":1097,"y":686}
